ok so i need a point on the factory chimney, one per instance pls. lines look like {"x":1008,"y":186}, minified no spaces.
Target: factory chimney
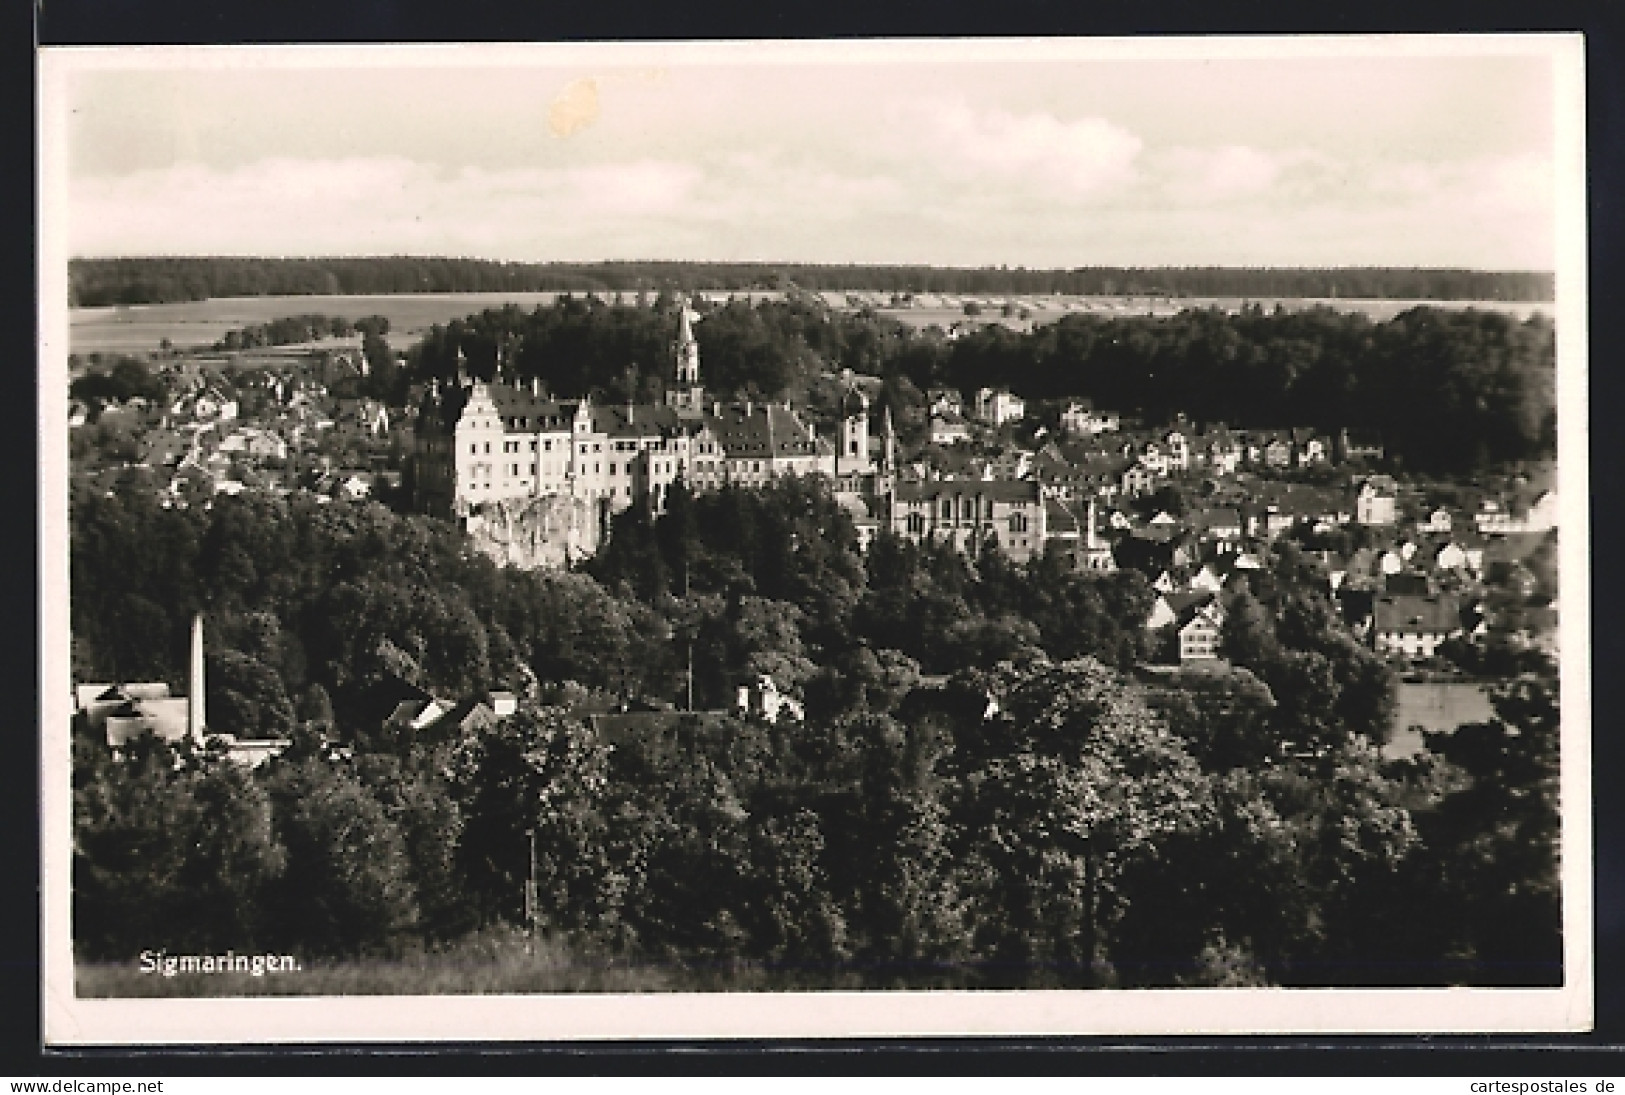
{"x":194,"y":695}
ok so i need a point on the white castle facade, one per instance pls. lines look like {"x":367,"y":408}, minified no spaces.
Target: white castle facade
{"x":503,"y":441}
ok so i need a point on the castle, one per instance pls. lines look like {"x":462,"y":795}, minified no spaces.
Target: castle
{"x":484,"y":448}
{"x":485,"y":442}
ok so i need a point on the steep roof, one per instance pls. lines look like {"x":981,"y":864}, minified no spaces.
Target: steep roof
{"x":1417,"y":615}
{"x":761,"y":430}
{"x":1060,"y":520}
{"x":1406,"y":585}
{"x":998,"y":490}
{"x":640,"y":420}
{"x":521,"y":409}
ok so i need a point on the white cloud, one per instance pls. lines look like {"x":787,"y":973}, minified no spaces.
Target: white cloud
{"x":1077,"y":157}
{"x":1227,"y":173}
{"x":384,"y":204}
{"x":1234,"y":204}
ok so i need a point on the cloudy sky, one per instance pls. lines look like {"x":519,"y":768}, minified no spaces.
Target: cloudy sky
{"x":960,"y":154}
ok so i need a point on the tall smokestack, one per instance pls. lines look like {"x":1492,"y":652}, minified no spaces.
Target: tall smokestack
{"x":194,"y":705}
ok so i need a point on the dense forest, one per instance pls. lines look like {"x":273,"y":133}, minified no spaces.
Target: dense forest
{"x":107,"y":281}
{"x":986,"y":791}
{"x":1448,"y":390}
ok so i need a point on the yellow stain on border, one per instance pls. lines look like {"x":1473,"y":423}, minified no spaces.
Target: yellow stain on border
{"x":574,"y":109}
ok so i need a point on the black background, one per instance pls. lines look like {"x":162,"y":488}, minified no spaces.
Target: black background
{"x":127,"y":22}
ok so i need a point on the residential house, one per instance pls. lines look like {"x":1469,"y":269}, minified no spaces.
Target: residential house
{"x":1274,"y":452}
{"x":1080,"y":417}
{"x":948,"y":429}
{"x":1218,"y":450}
{"x":762,"y":699}
{"x":996,"y":406}
{"x":1309,"y":449}
{"x":1497,"y":519}
{"x":1138,"y":479}
{"x":945,"y":402}
{"x":1460,"y":554}
{"x":1407,"y":584}
{"x":1177,"y":448}
{"x":364,"y":415}
{"x":1414,"y":627}
{"x":211,"y":404}
{"x":1375,"y":501}
{"x":1439,"y":520}
{"x":1221,"y":525}
{"x":1359,"y":445}
{"x":1199,"y":629}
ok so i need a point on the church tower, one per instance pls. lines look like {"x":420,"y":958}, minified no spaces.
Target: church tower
{"x":685,"y":394}
{"x":852,"y":456}
{"x":886,"y":472}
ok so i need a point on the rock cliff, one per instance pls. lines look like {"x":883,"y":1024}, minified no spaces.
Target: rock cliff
{"x":548,"y":532}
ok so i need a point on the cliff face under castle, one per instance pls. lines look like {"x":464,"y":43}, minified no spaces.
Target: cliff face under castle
{"x":536,"y":533}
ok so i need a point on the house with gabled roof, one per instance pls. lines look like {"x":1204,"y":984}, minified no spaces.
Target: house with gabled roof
{"x":1414,"y":627}
{"x":948,"y":429}
{"x":1375,"y":501}
{"x":1199,"y":631}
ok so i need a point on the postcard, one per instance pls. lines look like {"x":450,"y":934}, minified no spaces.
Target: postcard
{"x":892,"y":538}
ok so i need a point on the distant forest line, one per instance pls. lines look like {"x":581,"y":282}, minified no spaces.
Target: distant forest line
{"x":110,"y":281}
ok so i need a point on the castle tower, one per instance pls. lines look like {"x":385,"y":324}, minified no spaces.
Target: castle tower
{"x":195,"y":720}
{"x":687,"y":351}
{"x":685,"y":394}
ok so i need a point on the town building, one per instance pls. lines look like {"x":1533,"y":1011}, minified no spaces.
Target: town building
{"x":489,"y":441}
{"x":996,"y":406}
{"x":969,"y":514}
{"x":1414,"y":627}
{"x":1376,"y":501}
{"x":121,"y":713}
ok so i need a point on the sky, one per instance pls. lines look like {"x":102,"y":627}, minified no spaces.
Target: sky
{"x":962,"y":154}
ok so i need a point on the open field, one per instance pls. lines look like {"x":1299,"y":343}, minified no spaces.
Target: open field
{"x":199,"y":324}
{"x":1434,"y":706}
